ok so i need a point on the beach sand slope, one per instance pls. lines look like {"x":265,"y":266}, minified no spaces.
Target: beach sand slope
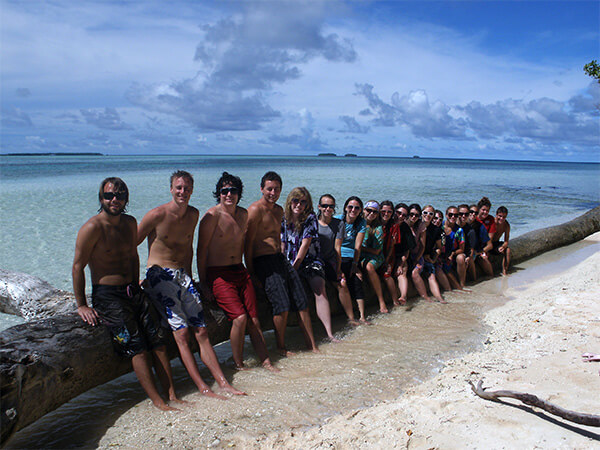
{"x":534,"y":345}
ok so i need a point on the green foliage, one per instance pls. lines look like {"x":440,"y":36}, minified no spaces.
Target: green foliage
{"x":592,"y":69}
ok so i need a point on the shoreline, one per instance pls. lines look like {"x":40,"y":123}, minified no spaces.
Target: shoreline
{"x":496,"y":280}
{"x":534,"y":344}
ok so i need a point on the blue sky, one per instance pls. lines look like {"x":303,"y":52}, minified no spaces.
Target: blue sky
{"x":467,"y":79}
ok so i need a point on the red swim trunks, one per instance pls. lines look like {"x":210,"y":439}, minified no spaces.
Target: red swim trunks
{"x":233,"y":290}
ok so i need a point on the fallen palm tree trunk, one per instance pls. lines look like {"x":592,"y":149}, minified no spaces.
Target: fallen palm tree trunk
{"x":532,"y":400}
{"x":46,"y":363}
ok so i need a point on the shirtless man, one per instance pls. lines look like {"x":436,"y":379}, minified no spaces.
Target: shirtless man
{"x":270,"y":268}
{"x":498,"y":246}
{"x":108,"y":244}
{"x":220,"y":247}
{"x":170,"y":231}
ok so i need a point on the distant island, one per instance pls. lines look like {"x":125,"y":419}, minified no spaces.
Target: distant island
{"x":351,"y":155}
{"x":416,"y":156}
{"x":56,"y":154}
{"x":326,"y":154}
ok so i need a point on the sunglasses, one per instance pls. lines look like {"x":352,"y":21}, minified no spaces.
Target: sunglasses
{"x":427,"y":213}
{"x":437,"y":218}
{"x":463,"y":214}
{"x":472,"y":212}
{"x":295,"y":201}
{"x":371,"y":211}
{"x":327,"y":206}
{"x":452,"y":215}
{"x":413,"y":214}
{"x":121,"y":196}
{"x":229,"y":190}
{"x":351,"y":208}
{"x":400,"y":213}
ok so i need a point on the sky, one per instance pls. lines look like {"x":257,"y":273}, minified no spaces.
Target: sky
{"x":450,"y":79}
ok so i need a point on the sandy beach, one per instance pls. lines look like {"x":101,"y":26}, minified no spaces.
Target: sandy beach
{"x":534,"y":344}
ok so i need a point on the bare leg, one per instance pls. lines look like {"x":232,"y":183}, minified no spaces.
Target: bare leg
{"x":236,"y":338}
{"x":472,"y":269}
{"x":505,"y":261}
{"x":485,"y":264}
{"x":403,"y":285}
{"x":259,"y":344}
{"x":209,"y":358}
{"x":143,"y":371}
{"x":317,"y":284}
{"x":182,"y":339}
{"x":361,"y":310}
{"x":435,"y":289}
{"x":306,"y":326}
{"x":390,"y":284}
{"x":419,"y":284}
{"x":346,"y":301}
{"x":442,"y":279}
{"x":280,"y":324}
{"x":162,"y":366}
{"x":453,"y":281}
{"x":376,"y":283}
{"x":461,"y":268}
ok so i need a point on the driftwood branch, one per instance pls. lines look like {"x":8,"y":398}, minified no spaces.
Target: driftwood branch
{"x":531,"y":400}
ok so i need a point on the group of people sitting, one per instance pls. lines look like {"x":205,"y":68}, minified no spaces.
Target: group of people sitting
{"x":389,"y":244}
{"x":280,"y":247}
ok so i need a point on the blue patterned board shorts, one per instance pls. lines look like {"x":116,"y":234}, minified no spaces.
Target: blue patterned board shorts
{"x":175,"y":296}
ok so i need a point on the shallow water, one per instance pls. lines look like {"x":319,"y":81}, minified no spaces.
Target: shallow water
{"x":370,"y":365}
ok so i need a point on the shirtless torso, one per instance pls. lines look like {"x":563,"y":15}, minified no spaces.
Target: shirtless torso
{"x":221,"y":237}
{"x":502,"y":228}
{"x":170,"y":230}
{"x":264,"y":225}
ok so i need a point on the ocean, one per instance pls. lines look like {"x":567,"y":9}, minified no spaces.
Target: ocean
{"x":45,"y":199}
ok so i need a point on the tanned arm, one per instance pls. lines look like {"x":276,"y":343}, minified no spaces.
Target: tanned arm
{"x":302,"y":252}
{"x":253,"y":220}
{"x":88,"y":236}
{"x":206,"y":229}
{"x":148,"y":224}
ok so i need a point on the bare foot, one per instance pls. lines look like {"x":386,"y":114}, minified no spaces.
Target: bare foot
{"x":229,"y":388}
{"x":384,"y":311}
{"x":165,"y":407}
{"x":285,"y":352}
{"x":241,"y":368}
{"x":209,"y":393}
{"x":269,"y":366}
{"x":353,"y":322}
{"x":441,"y":300}
{"x":427,"y":299}
{"x":365,"y":322}
{"x":315,"y":349}
{"x":180,"y":402}
{"x":333,"y":340}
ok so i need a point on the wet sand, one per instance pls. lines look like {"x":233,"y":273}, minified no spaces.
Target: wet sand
{"x":400,"y":383}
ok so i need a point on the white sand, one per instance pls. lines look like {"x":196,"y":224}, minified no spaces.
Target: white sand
{"x":535,"y":345}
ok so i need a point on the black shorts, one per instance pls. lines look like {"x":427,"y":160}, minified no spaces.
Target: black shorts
{"x":131,"y":319}
{"x":352,"y":281}
{"x":495,"y":245}
{"x":282,"y":283}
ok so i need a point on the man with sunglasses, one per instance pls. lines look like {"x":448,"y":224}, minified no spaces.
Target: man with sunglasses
{"x":170,"y":232}
{"x":107,"y":243}
{"x":221,"y":236}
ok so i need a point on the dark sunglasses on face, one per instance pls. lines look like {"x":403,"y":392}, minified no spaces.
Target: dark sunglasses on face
{"x":371,"y":211}
{"x":414,"y":214}
{"x":121,"y":196}
{"x":463,"y":214}
{"x":452,"y":215}
{"x":327,"y":206}
{"x":472,"y":212}
{"x":400,"y":213}
{"x":351,"y":207}
{"x":229,"y":190}
{"x":295,"y":201}
{"x":437,"y":218}
{"x":427,"y":213}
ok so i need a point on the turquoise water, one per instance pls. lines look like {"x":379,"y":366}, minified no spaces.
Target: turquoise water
{"x":45,"y":200}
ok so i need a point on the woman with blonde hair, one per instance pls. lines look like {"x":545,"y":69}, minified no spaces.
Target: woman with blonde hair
{"x":300,"y":244}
